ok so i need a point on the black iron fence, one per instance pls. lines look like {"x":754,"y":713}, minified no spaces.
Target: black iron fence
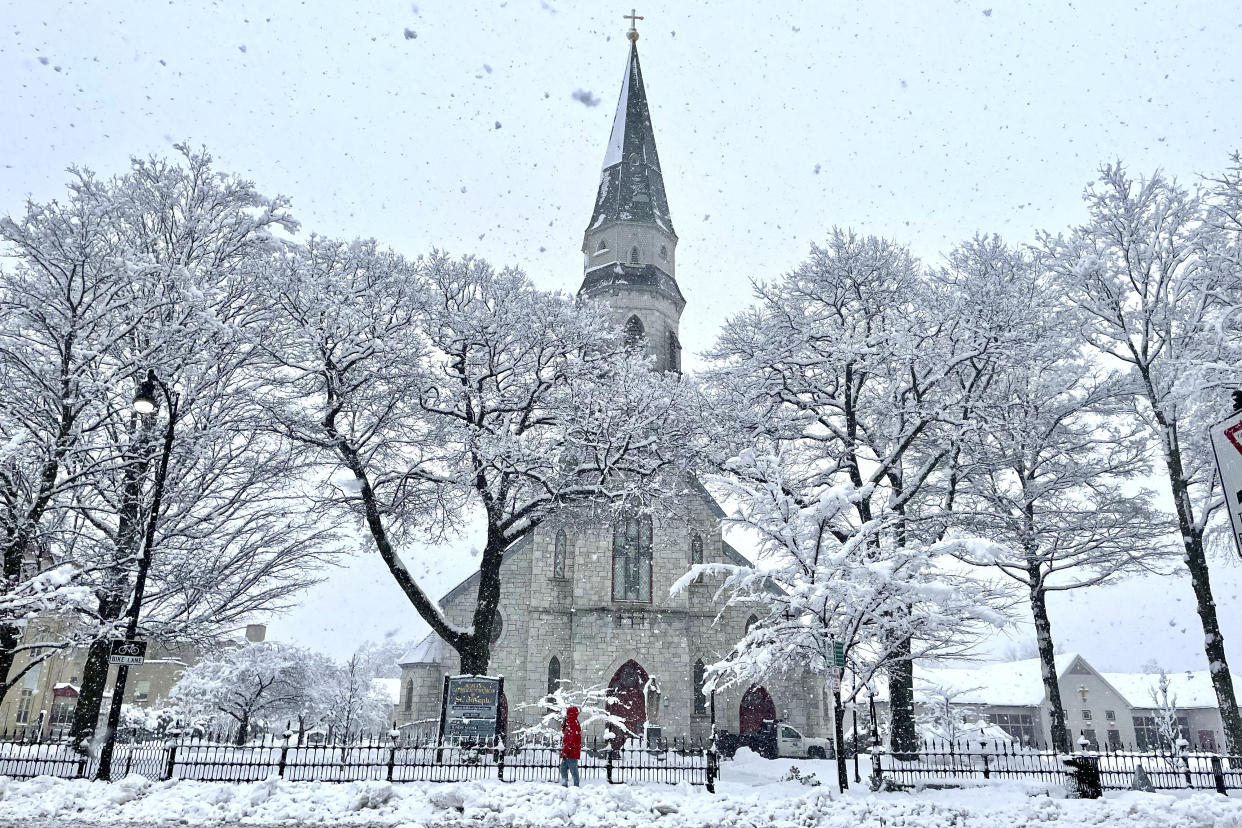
{"x":210,"y":759}
{"x":1169,"y":769}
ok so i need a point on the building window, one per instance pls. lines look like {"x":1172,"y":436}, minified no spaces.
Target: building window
{"x":663,"y":251}
{"x":1147,"y":732}
{"x":631,"y":559}
{"x":634,"y":332}
{"x":142,"y":691}
{"x":1111,"y":715}
{"x":1086,"y":715}
{"x":409,"y":696}
{"x":634,"y":254}
{"x":603,"y":245}
{"x":674,"y":352}
{"x":700,"y":700}
{"x":62,"y":713}
{"x":558,"y":555}
{"x":1114,"y":739}
{"x":1020,"y":726}
{"x":1207,"y":741}
{"x":1092,"y":742}
{"x":498,"y":624}
{"x":750,"y":622}
{"x":554,"y":675}
{"x":696,"y":548}
{"x":24,"y":701}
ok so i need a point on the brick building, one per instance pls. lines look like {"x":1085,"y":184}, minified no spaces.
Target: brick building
{"x":586,"y":600}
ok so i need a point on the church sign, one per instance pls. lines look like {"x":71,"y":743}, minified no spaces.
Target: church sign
{"x":1227,"y":445}
{"x":471,"y":708}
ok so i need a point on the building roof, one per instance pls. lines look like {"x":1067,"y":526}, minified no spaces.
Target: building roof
{"x":1190,"y":688}
{"x":431,"y":650}
{"x":1004,"y":684}
{"x":631,"y":185}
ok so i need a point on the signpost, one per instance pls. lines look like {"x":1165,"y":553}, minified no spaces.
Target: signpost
{"x":1227,"y":446}
{"x":471,"y":711}
{"x":129,"y":653}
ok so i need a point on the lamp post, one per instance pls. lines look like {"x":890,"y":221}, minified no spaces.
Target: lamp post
{"x":145,"y":404}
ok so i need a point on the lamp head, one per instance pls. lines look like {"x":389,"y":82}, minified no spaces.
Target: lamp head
{"x":144,"y":400}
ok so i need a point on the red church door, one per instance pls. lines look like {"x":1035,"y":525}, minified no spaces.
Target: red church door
{"x":756,"y":707}
{"x":627,"y":686}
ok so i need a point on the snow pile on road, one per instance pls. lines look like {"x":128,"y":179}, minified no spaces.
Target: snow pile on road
{"x":534,"y":804}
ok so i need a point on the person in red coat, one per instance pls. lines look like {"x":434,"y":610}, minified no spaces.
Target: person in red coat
{"x":571,"y":747}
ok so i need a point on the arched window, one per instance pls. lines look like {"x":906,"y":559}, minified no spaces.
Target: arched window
{"x":634,"y":254}
{"x":750,"y":622}
{"x":558,"y":555}
{"x":631,"y":559}
{"x":498,"y":624}
{"x":696,"y":548}
{"x":409,"y":696}
{"x":663,"y":252}
{"x":700,"y":700}
{"x":603,"y":245}
{"x":674,"y":352}
{"x":634,"y":331}
{"x":554,"y":674}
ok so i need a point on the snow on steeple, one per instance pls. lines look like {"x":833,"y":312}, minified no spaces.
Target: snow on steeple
{"x":631,"y":186}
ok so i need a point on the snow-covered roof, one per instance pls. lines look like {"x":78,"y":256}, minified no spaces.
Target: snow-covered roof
{"x":1192,"y":688}
{"x":431,"y":650}
{"x":1003,"y":684}
{"x":390,"y":688}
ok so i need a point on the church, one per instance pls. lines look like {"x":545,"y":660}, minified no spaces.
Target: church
{"x":588,"y":602}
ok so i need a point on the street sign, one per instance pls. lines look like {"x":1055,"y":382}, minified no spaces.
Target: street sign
{"x":129,"y":653}
{"x":834,"y":682}
{"x":838,"y":653}
{"x":1227,"y":445}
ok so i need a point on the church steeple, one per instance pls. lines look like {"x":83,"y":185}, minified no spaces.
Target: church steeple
{"x":630,"y":245}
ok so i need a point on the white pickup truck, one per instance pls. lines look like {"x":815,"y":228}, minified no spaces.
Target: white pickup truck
{"x":773,"y":740}
{"x":792,"y":744}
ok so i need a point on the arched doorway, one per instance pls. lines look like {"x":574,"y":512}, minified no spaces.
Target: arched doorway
{"x":627,"y":686}
{"x":756,"y":707}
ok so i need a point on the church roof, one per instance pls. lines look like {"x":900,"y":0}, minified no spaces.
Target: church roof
{"x":431,"y":650}
{"x":631,"y":186}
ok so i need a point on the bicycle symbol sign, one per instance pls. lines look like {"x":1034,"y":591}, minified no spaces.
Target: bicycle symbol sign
{"x":127,"y":652}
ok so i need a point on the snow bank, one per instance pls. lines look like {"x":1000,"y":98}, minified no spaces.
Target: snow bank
{"x":787,"y":803}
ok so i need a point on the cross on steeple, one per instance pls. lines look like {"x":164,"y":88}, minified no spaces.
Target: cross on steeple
{"x":633,"y":17}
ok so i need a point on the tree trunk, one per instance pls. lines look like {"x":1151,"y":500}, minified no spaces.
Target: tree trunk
{"x":902,"y":736}
{"x":1200,"y":581}
{"x":1048,"y":667}
{"x":114,"y":597}
{"x":242,"y":727}
{"x":838,"y":732}
{"x":476,"y":650}
{"x":10,"y":636}
{"x":90,"y":696}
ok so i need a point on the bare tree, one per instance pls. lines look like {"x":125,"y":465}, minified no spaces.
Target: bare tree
{"x":1147,"y":271}
{"x":445,"y":389}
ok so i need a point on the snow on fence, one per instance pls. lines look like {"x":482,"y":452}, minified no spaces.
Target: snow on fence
{"x":1166,"y":770}
{"x":397,"y":760}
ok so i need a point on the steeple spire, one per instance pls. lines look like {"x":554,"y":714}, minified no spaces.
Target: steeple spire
{"x":631,"y":186}
{"x":630,"y":246}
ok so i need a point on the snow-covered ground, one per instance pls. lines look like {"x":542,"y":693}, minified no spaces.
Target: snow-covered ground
{"x":751,"y":793}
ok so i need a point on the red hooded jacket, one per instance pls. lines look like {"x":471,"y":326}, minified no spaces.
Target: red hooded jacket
{"x":571,"y":735}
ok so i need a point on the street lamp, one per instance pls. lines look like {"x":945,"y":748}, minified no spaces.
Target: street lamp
{"x":145,"y":404}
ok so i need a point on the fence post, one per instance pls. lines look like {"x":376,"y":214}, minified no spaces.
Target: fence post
{"x":392,"y":759}
{"x":877,"y":773}
{"x":711,"y":770}
{"x":284,"y":754}
{"x":987,"y":771}
{"x":172,"y":759}
{"x":1218,"y":775}
{"x":608,"y":766}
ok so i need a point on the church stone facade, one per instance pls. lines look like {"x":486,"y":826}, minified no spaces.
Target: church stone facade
{"x":585,"y":599}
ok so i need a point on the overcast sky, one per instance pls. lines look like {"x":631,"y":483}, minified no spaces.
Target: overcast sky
{"x":480,"y":127}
